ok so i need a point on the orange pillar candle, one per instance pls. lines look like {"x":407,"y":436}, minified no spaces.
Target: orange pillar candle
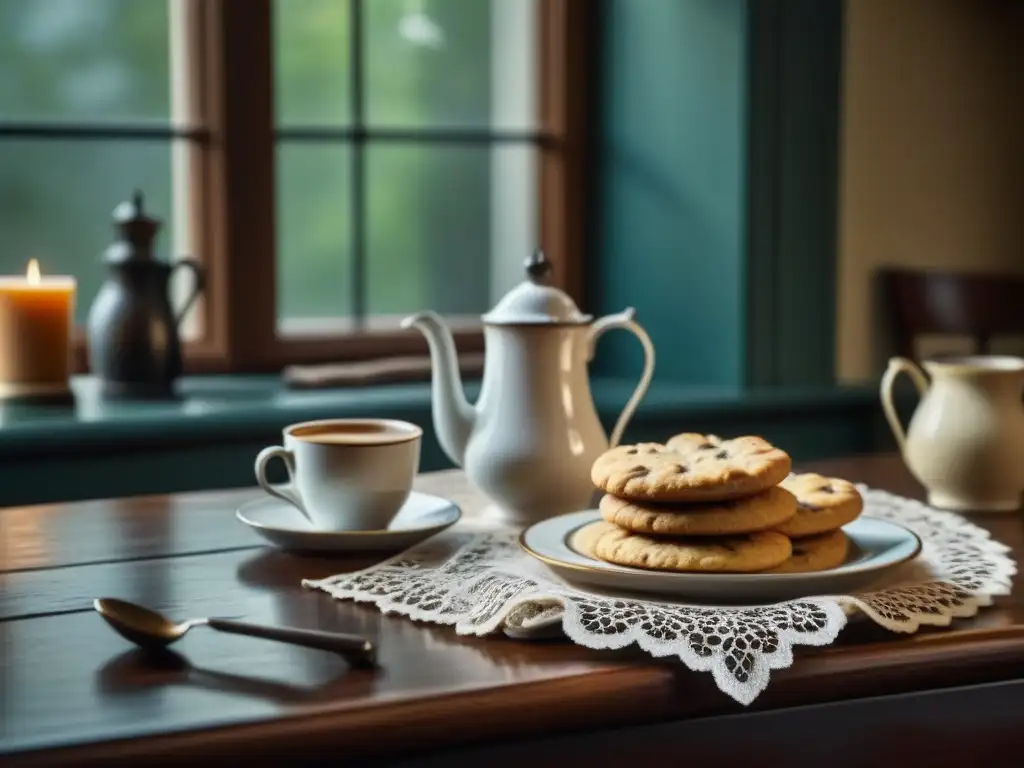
{"x":36,"y":318}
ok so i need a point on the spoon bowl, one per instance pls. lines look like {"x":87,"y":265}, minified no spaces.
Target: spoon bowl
{"x":151,"y":630}
{"x":145,"y":628}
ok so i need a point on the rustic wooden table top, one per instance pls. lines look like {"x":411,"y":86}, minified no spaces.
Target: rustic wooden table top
{"x":73,"y":693}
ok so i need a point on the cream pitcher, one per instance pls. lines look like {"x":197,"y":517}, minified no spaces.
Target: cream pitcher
{"x":965,"y":442}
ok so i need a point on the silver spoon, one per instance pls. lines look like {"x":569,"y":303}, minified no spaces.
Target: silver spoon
{"x":151,"y":630}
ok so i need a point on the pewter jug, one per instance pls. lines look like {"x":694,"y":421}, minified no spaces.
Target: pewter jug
{"x":133,"y":332}
{"x":532,"y":436}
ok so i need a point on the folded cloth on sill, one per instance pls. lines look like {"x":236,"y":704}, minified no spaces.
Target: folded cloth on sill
{"x":360,"y":373}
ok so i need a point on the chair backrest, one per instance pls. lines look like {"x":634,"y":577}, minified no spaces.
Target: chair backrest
{"x":971,"y":304}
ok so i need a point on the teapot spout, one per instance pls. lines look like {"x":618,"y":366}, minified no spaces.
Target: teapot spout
{"x":454,"y":417}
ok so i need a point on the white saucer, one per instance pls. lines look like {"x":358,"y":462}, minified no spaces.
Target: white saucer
{"x":280,"y":523}
{"x":877,"y":546}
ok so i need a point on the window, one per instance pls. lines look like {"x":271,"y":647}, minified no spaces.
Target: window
{"x":335,"y":164}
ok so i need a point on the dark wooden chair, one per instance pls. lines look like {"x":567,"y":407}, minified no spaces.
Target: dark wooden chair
{"x":968,"y":304}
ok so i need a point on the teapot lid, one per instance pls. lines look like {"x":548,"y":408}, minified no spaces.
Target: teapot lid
{"x":535,"y":302}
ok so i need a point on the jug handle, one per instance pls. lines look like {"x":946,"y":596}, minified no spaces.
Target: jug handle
{"x":898,"y":365}
{"x":625,"y":321}
{"x":199,"y":277}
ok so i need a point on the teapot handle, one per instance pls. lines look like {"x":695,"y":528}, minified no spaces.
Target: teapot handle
{"x":898,"y":365}
{"x":625,"y":320}
{"x":199,"y":277}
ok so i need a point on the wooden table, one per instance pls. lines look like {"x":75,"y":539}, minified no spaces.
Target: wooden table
{"x":73,"y":693}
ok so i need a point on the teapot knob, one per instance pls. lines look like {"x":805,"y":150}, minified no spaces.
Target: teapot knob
{"x":538,"y":268}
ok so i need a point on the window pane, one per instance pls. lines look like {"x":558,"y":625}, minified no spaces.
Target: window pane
{"x":311,"y":39}
{"x":313,"y":234}
{"x":449,"y":227}
{"x":86,"y":60}
{"x":453,"y":63}
{"x":57,"y":199}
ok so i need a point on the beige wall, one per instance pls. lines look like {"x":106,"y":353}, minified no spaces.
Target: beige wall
{"x":932,"y":152}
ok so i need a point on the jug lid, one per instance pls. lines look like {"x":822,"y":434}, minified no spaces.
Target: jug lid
{"x":535,"y":302}
{"x":136,"y":232}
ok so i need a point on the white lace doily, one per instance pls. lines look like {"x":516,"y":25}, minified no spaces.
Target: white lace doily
{"x":480,"y":581}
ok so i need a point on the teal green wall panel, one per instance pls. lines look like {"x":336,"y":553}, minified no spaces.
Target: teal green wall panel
{"x":229,"y":465}
{"x":717,"y":154}
{"x":794,"y":94}
{"x":671,"y":175}
{"x":139,"y":473}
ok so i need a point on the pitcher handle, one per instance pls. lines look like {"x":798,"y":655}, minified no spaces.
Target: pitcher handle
{"x":898,"y":365}
{"x":199,"y":277}
{"x":625,"y":321}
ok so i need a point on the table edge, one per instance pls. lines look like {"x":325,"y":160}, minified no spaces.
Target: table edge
{"x":581,"y":702}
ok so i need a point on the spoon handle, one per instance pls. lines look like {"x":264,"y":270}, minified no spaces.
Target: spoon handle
{"x":356,"y":650}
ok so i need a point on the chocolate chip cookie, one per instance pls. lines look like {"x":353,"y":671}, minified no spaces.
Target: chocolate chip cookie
{"x":761,"y":512}
{"x":823,"y":504}
{"x":816,"y":553}
{"x":742,"y":553}
{"x":691,"y":467}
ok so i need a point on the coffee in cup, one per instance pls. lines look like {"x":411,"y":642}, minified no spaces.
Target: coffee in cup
{"x":346,"y":474}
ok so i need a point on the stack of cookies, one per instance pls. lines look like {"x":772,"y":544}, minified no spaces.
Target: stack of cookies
{"x":702,"y":504}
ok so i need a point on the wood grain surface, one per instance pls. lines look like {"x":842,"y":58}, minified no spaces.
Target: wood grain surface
{"x":74,"y":693}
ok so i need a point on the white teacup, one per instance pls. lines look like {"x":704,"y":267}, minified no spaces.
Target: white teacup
{"x":346,"y":474}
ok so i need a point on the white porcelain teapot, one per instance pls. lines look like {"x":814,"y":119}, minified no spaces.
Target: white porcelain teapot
{"x":533,"y":434}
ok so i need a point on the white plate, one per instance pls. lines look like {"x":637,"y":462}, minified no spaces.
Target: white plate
{"x":877,"y":546}
{"x":281,"y":524}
